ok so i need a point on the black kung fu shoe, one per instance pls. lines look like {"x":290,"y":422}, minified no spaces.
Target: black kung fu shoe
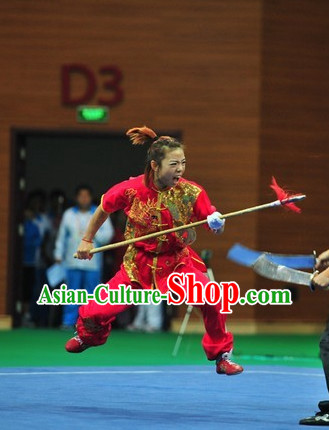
{"x":321,"y":418}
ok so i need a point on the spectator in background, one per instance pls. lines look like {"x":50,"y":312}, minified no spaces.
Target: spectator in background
{"x":57,"y":205}
{"x":80,"y":273}
{"x":149,"y":318}
{"x":36,"y":205}
{"x":37,"y":201}
{"x":31,"y":244}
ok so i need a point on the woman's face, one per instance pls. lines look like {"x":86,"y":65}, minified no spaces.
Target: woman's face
{"x":171,"y":169}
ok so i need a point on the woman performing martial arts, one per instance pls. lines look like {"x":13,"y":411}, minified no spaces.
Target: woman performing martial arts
{"x":158,"y":200}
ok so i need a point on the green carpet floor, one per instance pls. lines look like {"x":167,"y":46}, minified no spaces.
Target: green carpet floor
{"x":39,"y":347}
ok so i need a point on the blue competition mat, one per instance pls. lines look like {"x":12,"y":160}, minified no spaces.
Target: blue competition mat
{"x":176,"y":397}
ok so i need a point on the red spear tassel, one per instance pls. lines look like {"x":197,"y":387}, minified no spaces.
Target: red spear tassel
{"x":282,"y":194}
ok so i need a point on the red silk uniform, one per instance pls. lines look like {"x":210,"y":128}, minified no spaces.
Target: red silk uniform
{"x":147,"y":264}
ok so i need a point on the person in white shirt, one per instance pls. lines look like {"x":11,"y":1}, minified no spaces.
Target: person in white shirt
{"x":84,"y":274}
{"x":149,"y":318}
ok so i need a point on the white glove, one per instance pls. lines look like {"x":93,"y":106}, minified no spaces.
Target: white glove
{"x":216,"y":223}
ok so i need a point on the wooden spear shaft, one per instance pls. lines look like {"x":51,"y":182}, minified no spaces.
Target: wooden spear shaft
{"x":195,"y":224}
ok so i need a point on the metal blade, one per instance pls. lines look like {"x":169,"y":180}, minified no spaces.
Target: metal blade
{"x":277,"y":272}
{"x":247,"y":257}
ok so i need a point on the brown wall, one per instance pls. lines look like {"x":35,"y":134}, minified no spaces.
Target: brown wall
{"x":295,"y":137}
{"x":201,"y":67}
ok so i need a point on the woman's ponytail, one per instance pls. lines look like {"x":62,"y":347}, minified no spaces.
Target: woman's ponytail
{"x":141,"y":135}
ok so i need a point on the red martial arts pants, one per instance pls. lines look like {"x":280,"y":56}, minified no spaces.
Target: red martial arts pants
{"x":94,"y":322}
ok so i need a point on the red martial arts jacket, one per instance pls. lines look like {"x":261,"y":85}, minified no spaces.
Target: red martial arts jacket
{"x":148,"y":209}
